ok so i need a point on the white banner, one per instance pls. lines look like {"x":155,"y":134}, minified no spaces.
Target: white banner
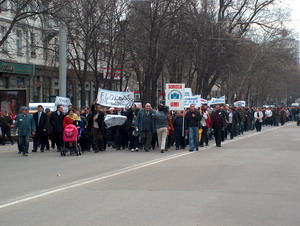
{"x":115,"y":99}
{"x":175,"y":93}
{"x":188,"y":92}
{"x":214,"y":101}
{"x":196,"y":100}
{"x":64,"y":101}
{"x":241,"y":103}
{"x":114,"y":120}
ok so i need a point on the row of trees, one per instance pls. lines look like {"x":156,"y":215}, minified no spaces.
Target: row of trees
{"x":236,"y":45}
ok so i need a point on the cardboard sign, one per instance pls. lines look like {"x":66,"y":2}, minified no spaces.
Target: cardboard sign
{"x":115,"y":99}
{"x":64,"y":101}
{"x":196,"y":100}
{"x":175,"y":93}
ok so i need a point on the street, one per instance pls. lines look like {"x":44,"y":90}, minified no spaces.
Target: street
{"x":252,"y":180}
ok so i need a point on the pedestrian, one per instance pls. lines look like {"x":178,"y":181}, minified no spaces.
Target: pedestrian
{"x":268,"y":114}
{"x":98,"y":127}
{"x":178,"y":123}
{"x":87,"y":137}
{"x":192,"y":120}
{"x":161,"y":122}
{"x":121,"y":135}
{"x":49,"y":131}
{"x":5,"y":124}
{"x":204,"y":126}
{"x":56,"y":121}
{"x":258,"y":117}
{"x":146,"y":126}
{"x":25,"y":126}
{"x":232,"y":122}
{"x":133,"y":133}
{"x":41,"y":122}
{"x":217,"y":122}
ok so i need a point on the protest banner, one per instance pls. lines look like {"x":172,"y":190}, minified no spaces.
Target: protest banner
{"x":196,"y":100}
{"x":115,"y":99}
{"x":214,"y":101}
{"x":114,"y":120}
{"x":241,"y":103}
{"x":188,"y":92}
{"x":175,"y":93}
{"x":64,"y":101}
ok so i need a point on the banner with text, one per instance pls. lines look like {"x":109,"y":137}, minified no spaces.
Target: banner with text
{"x":188,"y":92}
{"x":175,"y":93}
{"x":115,"y":99}
{"x":196,"y":100}
{"x":64,"y":101}
{"x":214,"y":101}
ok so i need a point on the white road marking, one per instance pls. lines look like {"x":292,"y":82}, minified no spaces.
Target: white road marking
{"x":116,"y":173}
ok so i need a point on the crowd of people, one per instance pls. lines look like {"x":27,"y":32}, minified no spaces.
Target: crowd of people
{"x":146,"y":128}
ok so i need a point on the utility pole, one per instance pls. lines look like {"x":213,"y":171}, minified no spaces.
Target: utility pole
{"x":63,"y":60}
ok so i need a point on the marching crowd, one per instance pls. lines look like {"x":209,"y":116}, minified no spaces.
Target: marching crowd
{"x":145,"y":128}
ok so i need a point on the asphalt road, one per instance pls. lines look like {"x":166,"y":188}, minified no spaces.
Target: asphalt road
{"x":252,"y":180}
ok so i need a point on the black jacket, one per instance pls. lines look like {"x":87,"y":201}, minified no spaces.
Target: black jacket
{"x":192,"y":121}
{"x":100,"y":118}
{"x":5,"y":122}
{"x":43,"y":124}
{"x":56,"y":122}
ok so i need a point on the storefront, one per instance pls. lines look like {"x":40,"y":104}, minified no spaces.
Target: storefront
{"x":15,"y":75}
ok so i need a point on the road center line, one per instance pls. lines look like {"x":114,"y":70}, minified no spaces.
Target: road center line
{"x":125,"y":170}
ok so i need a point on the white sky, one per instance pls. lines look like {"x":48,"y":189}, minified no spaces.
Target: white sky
{"x":294,"y":5}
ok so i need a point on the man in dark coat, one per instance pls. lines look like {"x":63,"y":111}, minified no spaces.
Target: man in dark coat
{"x":5,"y":124}
{"x":98,"y":127}
{"x":41,"y":122}
{"x":121,"y":136}
{"x":88,"y":138}
{"x":146,"y":125}
{"x":56,"y":121}
{"x":218,"y":121}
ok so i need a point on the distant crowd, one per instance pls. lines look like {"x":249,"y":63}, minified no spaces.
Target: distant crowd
{"x":84,"y":130}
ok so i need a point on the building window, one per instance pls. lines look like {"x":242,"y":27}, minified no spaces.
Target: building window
{"x":20,"y":82}
{"x":33,"y":44}
{"x":19,"y":42}
{"x":3,"y":32}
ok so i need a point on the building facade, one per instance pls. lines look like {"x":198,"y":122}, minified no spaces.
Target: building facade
{"x":29,"y":60}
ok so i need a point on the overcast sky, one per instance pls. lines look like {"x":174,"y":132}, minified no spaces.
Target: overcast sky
{"x":294,"y":5}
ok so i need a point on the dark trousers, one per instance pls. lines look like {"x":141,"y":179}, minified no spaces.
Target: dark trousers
{"x":218,"y":135}
{"x":231,"y":130}
{"x":204,"y":136}
{"x":8,"y":134}
{"x":23,"y":144}
{"x":180,"y":141}
{"x":121,"y":137}
{"x":258,"y":126}
{"x":39,"y":141}
{"x":154,"y":142}
{"x":88,"y":140}
{"x":133,"y":140}
{"x":146,"y":139}
{"x":50,"y":137}
{"x":58,"y":138}
{"x":98,"y":141}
